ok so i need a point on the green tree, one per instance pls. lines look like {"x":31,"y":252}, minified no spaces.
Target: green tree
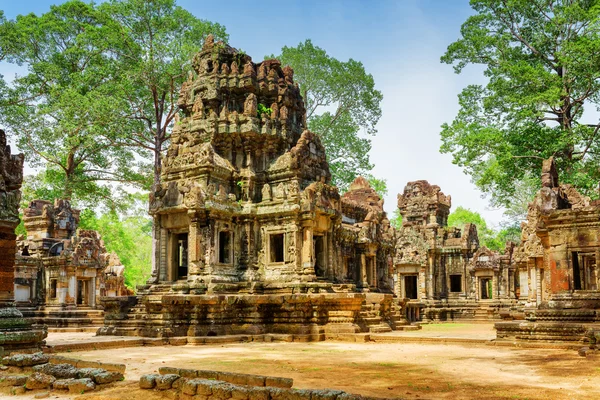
{"x":396,"y":220}
{"x":63,"y":110}
{"x":341,"y":101}
{"x":379,"y":185}
{"x":542,"y":61}
{"x":128,"y":235}
{"x":153,"y":45}
{"x":487,"y":237}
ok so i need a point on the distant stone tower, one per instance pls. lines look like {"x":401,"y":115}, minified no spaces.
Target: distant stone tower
{"x":15,"y":331}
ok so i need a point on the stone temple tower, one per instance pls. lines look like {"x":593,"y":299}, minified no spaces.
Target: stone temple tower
{"x":245,"y":194}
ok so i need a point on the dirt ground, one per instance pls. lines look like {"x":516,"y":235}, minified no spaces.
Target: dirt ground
{"x":411,"y":370}
{"x":389,"y":370}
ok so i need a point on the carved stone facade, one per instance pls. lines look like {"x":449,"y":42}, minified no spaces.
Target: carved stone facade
{"x":15,"y":331}
{"x":559,"y":273}
{"x":246,"y":209}
{"x":60,"y":270}
{"x":441,"y":270}
{"x":246,"y":201}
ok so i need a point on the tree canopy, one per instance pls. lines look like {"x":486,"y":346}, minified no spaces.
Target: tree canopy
{"x":63,"y":110}
{"x":153,"y":44}
{"x":542,"y":62}
{"x":493,"y":240}
{"x":341,"y":103}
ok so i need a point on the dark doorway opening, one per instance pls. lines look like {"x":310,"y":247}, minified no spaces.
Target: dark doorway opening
{"x":80,"y":292}
{"x":182,"y":255}
{"x":225,"y":247}
{"x":456,"y":283}
{"x":576,"y":271}
{"x":319,"y":248}
{"x":410,"y":286}
{"x":276,"y":248}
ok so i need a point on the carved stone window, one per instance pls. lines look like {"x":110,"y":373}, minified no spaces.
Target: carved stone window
{"x":225,"y":247}
{"x":53,"y":283}
{"x":276,"y":247}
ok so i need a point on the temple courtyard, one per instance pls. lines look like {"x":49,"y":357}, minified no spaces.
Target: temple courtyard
{"x":441,"y":361}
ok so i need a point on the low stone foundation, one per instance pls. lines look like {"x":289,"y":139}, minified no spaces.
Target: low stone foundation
{"x":313,"y":316}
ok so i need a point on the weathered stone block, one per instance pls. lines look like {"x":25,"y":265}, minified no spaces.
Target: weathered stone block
{"x":61,"y":384}
{"x":59,"y":371}
{"x":12,"y":380}
{"x":39,"y":380}
{"x":25,"y":360}
{"x":165,"y":382}
{"x":259,"y":393}
{"x":168,"y":370}
{"x":148,"y":381}
{"x":81,"y":385}
{"x":279,"y":382}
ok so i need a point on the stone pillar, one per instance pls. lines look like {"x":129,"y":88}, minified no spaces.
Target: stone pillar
{"x":363,"y":271}
{"x":15,"y":331}
{"x":194,"y":249}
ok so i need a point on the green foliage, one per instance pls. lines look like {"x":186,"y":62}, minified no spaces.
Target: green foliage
{"x":152,"y":45}
{"x":396,"y":220}
{"x":379,"y":185}
{"x":487,"y":237}
{"x":130,"y":236}
{"x":262,"y":109}
{"x":542,"y":59}
{"x":341,"y":101}
{"x":63,"y":110}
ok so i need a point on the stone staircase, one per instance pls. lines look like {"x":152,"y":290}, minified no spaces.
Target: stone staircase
{"x":370,"y":320}
{"x":59,"y":319}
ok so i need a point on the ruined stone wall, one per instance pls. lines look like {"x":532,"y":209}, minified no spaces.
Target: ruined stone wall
{"x":11,"y":177}
{"x":15,"y":331}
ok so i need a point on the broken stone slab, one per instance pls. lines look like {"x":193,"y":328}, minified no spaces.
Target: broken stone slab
{"x":59,"y":371}
{"x":326,"y":394}
{"x":165,"y":382}
{"x":13,"y":380}
{"x":81,"y":385}
{"x":42,"y":395}
{"x":25,"y":360}
{"x":39,"y":380}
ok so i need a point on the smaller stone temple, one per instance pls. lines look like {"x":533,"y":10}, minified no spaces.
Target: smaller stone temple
{"x":557,"y":264}
{"x":61,"y":270}
{"x":16,"y":332}
{"x":442,"y":271}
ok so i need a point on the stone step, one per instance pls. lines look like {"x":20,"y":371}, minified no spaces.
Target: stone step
{"x":382,"y":328}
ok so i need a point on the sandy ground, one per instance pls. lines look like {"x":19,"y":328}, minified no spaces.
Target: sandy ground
{"x":389,"y":370}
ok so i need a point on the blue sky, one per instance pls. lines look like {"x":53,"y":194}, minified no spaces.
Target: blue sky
{"x":399,"y":42}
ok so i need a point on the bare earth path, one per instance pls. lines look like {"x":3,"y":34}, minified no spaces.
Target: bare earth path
{"x":413,"y":371}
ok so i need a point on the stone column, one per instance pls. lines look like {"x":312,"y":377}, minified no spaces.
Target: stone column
{"x":363,"y":271}
{"x":15,"y":331}
{"x":194,"y":247}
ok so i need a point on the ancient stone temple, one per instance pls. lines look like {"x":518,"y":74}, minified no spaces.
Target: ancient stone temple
{"x":246,"y":208}
{"x":60,"y":270}
{"x":441,"y":270}
{"x":15,"y":331}
{"x":557,"y":263}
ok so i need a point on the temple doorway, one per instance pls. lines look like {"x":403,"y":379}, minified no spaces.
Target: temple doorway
{"x":182,"y":256}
